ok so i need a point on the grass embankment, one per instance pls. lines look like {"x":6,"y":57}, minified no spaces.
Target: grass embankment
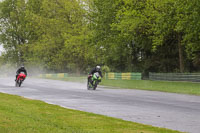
{"x":164,"y":86}
{"x":72,"y":79}
{"x":20,"y":115}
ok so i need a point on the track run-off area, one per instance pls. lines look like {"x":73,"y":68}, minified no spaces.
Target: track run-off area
{"x":173,"y":111}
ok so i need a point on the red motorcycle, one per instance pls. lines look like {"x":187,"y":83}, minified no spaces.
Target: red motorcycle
{"x":20,"y":79}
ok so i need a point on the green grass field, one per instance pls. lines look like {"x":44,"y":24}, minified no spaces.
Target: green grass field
{"x":20,"y":115}
{"x":164,"y":86}
{"x":191,"y":88}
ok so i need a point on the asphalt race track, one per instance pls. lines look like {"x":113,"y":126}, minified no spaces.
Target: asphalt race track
{"x":168,"y":110}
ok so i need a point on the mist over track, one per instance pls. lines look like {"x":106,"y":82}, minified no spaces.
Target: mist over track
{"x":168,"y":110}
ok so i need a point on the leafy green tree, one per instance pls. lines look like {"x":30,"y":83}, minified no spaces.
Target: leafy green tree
{"x":125,"y":35}
{"x":190,"y":24}
{"x":13,"y":31}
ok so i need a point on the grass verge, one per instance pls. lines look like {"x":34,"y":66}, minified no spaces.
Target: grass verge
{"x":71,"y":79}
{"x":191,"y":88}
{"x":20,"y":115}
{"x":164,"y":86}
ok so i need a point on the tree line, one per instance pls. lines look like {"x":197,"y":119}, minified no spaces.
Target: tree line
{"x":120,"y":35}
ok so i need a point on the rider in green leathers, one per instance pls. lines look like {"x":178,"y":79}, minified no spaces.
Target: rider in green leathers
{"x":94,"y":70}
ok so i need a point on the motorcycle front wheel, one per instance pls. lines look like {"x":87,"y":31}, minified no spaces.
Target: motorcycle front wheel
{"x":95,"y":85}
{"x":20,"y":83}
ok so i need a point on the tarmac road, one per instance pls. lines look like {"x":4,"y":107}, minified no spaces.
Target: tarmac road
{"x":168,"y":110}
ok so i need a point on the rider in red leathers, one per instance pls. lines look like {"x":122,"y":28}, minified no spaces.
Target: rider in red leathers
{"x":21,"y":69}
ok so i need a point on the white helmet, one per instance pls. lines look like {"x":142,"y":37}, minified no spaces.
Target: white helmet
{"x":98,"y":68}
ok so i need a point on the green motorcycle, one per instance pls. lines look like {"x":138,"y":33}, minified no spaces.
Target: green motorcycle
{"x":96,"y":79}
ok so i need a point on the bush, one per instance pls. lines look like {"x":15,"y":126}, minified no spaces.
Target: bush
{"x":105,"y":69}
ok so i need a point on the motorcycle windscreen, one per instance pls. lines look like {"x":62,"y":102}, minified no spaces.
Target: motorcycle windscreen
{"x":96,"y":75}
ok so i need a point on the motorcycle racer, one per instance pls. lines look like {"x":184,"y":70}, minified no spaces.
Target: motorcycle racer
{"x":21,"y":69}
{"x":94,"y":70}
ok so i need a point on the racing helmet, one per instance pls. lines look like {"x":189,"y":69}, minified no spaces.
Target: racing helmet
{"x":22,"y":67}
{"x":98,"y":68}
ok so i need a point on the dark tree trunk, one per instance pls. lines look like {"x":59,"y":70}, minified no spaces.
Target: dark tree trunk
{"x":181,"y":62}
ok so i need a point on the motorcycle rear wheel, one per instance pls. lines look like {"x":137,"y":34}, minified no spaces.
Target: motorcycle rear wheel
{"x":88,"y":87}
{"x":95,"y":85}
{"x":20,"y":83}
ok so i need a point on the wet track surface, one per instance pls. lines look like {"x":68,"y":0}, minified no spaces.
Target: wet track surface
{"x":168,"y":110}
